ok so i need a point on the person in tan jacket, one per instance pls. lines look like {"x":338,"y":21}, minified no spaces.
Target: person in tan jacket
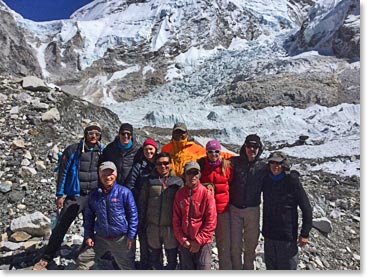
{"x":182,"y":149}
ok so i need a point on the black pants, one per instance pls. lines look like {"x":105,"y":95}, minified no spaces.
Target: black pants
{"x":280,"y":255}
{"x":73,"y":206}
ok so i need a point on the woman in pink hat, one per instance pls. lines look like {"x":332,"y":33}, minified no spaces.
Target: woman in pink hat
{"x":216,"y":171}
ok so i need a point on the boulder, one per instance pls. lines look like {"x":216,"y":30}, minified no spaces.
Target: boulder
{"x":35,"y":224}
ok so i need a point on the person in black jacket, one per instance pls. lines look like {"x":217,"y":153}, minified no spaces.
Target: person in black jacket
{"x":244,"y":199}
{"x":137,"y":176}
{"x":77,"y":176}
{"x":123,"y":152}
{"x":282,"y":195}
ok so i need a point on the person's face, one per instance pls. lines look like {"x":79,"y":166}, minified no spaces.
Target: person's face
{"x":213,"y":155}
{"x":163,"y":166}
{"x":251,"y":151}
{"x":125,"y":137}
{"x":149,"y":152}
{"x":107,"y":178}
{"x":179,"y":135}
{"x":276,"y":168}
{"x":192,"y":177}
{"x":93,"y":136}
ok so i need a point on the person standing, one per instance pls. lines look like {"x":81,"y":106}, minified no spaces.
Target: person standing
{"x":182,"y":148}
{"x":156,"y":212}
{"x":123,"y":151}
{"x":217,"y":171}
{"x":111,"y":219}
{"x":282,"y":195}
{"x":135,"y":180}
{"x":245,"y":197}
{"x":77,"y":176}
{"x":194,"y":220}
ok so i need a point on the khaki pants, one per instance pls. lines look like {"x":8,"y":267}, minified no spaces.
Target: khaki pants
{"x":245,"y":232}
{"x":223,"y":240}
{"x":124,"y":257}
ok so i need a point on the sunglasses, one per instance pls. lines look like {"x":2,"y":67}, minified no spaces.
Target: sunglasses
{"x":162,"y":163}
{"x":192,"y":172}
{"x":125,"y":134}
{"x":252,"y":146}
{"x":94,"y":133}
{"x":273,"y":162}
{"x":213,"y":151}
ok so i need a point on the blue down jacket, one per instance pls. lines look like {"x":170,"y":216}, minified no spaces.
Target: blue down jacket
{"x":111,"y":215}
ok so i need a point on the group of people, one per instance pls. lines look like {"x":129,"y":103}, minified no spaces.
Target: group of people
{"x":177,"y":201}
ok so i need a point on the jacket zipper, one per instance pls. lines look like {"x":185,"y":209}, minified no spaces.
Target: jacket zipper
{"x":190,"y":213}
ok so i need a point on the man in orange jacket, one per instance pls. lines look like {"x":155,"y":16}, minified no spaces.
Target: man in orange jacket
{"x":182,"y":149}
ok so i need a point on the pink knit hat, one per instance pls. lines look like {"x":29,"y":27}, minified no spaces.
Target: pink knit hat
{"x":213,"y":145}
{"x":150,"y":141}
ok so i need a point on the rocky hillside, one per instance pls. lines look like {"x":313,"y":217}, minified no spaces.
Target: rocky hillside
{"x":37,"y":122}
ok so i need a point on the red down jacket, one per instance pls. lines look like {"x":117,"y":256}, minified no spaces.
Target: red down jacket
{"x":194,"y":215}
{"x":215,"y":175}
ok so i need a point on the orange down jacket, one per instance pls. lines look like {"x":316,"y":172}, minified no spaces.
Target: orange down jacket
{"x":181,"y":152}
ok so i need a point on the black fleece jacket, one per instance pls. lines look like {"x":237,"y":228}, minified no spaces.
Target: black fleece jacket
{"x":281,"y":199}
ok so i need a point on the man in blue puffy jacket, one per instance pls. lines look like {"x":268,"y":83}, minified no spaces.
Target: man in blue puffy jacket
{"x":111,"y":219}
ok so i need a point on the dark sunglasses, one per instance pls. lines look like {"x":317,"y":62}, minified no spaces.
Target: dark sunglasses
{"x":274,"y":162}
{"x":192,"y":172}
{"x":92,"y":133}
{"x":162,"y":163}
{"x":213,"y":151}
{"x":125,"y":134}
{"x":252,"y":146}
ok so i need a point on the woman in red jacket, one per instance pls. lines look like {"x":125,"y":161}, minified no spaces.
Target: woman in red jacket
{"x":216,"y":170}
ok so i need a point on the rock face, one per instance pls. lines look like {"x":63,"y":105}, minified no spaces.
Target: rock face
{"x":342,"y":38}
{"x":17,"y":56}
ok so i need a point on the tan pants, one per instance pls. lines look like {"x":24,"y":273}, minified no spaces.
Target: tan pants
{"x":223,"y":240}
{"x":245,"y":232}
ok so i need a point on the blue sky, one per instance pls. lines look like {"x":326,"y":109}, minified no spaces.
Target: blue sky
{"x":45,"y":10}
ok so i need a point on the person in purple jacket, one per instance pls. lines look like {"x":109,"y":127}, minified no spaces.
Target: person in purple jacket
{"x":111,"y":220}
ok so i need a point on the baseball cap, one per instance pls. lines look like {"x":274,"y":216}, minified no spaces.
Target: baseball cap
{"x":253,"y":139}
{"x":107,"y":165}
{"x":180,"y":126}
{"x":191,"y":165}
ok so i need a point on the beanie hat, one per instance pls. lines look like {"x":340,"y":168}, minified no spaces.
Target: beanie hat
{"x":126,"y":127}
{"x":92,"y":125}
{"x":150,"y":141}
{"x":213,"y":145}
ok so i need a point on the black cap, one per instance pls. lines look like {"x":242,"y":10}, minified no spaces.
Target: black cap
{"x":253,"y":139}
{"x":126,"y":127}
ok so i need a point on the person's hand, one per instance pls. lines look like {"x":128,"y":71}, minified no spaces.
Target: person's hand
{"x":302,"y":241}
{"x":187,"y":244}
{"x":90,"y":242}
{"x":130,"y":243}
{"x":195,"y":247}
{"x":60,"y":202}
